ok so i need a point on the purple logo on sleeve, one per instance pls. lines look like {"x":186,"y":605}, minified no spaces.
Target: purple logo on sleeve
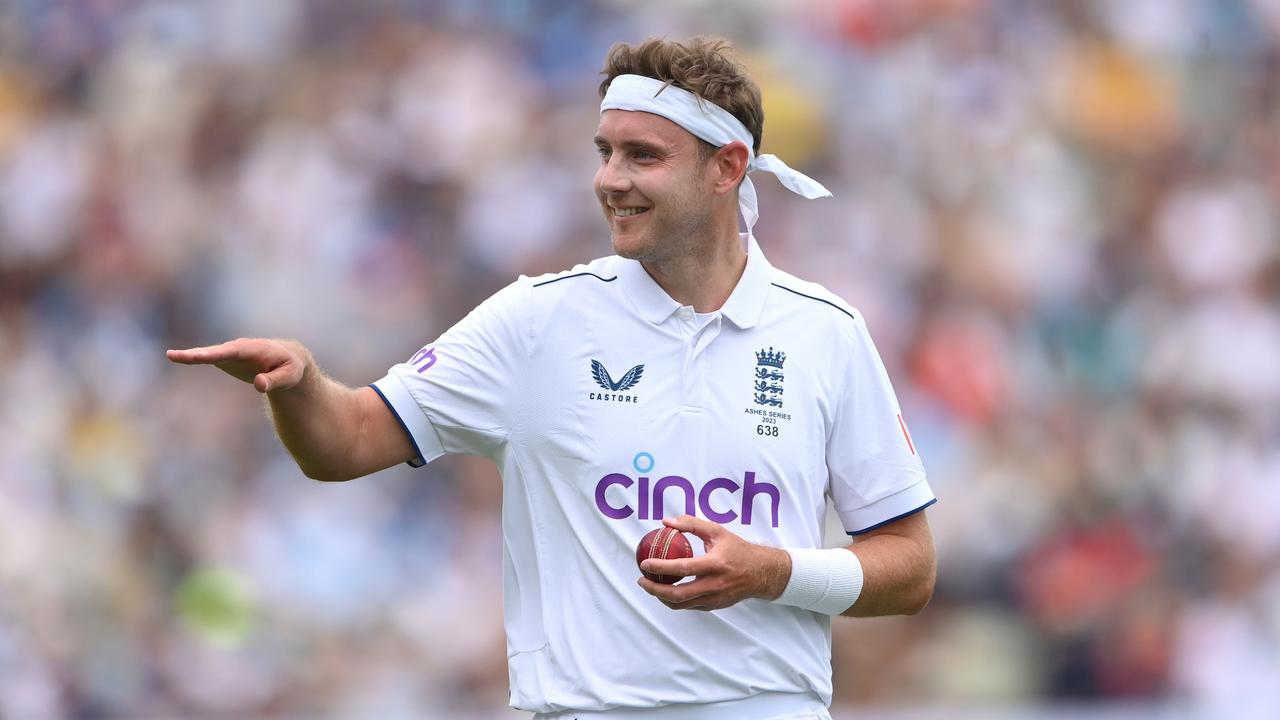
{"x":426,"y":356}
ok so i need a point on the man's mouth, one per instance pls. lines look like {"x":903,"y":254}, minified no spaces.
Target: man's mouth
{"x":628,"y":212}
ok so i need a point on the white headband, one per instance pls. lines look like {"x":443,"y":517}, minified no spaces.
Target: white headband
{"x":712,"y":123}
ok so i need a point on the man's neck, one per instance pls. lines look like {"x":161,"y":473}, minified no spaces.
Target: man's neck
{"x":703,"y":280}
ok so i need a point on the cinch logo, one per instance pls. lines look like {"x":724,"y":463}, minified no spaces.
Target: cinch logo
{"x":649,"y":499}
{"x":426,"y":356}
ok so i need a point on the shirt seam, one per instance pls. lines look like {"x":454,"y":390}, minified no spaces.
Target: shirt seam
{"x":515,"y":427}
{"x":543,"y":590}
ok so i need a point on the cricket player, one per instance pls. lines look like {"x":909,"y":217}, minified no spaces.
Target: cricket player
{"x":683,"y":380}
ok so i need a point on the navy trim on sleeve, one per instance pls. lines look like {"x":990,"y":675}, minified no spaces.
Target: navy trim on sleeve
{"x":797,"y":292}
{"x":892,"y":519}
{"x":417,"y":461}
{"x":566,"y":277}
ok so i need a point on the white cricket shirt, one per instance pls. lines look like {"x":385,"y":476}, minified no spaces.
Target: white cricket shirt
{"x":607,"y":405}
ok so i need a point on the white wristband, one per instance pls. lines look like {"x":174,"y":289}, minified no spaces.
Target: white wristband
{"x":824,"y":581}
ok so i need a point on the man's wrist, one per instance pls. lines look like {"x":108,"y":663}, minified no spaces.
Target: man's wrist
{"x":776,"y":569}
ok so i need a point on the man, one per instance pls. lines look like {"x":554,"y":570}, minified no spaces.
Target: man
{"x":682,"y":380}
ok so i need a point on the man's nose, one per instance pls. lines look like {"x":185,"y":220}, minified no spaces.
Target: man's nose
{"x":613,"y":176}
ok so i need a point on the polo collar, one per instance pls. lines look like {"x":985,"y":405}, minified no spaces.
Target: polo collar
{"x":743,"y":307}
{"x":746,"y":302}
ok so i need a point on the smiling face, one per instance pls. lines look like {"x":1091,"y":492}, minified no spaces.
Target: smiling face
{"x":652,"y":186}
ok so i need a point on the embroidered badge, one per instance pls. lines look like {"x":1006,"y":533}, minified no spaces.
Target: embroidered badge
{"x":768,"y":379}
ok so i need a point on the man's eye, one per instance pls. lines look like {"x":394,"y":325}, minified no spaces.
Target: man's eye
{"x":642,"y":155}
{"x":604,"y":151}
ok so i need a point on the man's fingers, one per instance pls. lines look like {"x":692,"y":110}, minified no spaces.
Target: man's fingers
{"x":204,"y":355}
{"x":676,"y":595}
{"x":187,"y":357}
{"x":274,"y":380}
{"x":704,"y":529}
{"x":683,"y":567}
{"x":283,"y":377}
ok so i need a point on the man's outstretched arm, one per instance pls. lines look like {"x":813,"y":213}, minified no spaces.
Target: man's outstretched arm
{"x":333,"y":432}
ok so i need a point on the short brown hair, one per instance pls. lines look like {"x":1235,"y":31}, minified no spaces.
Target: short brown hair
{"x":704,"y":66}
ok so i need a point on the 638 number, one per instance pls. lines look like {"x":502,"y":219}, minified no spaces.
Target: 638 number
{"x":767,"y":430}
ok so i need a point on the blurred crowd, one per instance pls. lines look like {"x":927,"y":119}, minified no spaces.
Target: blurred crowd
{"x":1058,"y":216}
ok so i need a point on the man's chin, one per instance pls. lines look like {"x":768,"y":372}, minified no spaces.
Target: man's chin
{"x":630,"y":246}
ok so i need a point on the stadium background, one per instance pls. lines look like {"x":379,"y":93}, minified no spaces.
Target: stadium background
{"x":1058,"y":217}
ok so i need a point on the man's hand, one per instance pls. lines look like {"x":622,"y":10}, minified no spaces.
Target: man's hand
{"x":334,"y":432}
{"x":267,"y":364}
{"x":731,"y":571}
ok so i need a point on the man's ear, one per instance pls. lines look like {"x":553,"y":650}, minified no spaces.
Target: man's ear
{"x":730,"y":162}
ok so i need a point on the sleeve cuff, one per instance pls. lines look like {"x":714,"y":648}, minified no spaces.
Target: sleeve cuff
{"x":909,"y":500}
{"x":412,"y":419}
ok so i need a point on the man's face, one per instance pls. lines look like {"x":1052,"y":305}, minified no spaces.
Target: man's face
{"x":651,"y":186}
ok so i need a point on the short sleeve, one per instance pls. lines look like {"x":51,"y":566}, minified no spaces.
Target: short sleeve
{"x":876,"y":473}
{"x":455,"y":394}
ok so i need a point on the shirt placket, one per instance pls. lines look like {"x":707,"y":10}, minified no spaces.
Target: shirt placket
{"x":696,"y":335}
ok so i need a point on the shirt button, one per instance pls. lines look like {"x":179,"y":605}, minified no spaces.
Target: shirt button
{"x":685,"y":313}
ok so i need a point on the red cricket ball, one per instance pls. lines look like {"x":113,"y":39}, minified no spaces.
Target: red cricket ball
{"x":664,"y":543}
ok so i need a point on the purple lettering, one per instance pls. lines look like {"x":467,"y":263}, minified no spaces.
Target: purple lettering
{"x":661,"y":487}
{"x":753,"y":488}
{"x":704,"y":500}
{"x":621,"y":513}
{"x":426,"y":353}
{"x":652,"y":506}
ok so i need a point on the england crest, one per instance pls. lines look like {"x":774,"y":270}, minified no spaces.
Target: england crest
{"x":768,"y":377}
